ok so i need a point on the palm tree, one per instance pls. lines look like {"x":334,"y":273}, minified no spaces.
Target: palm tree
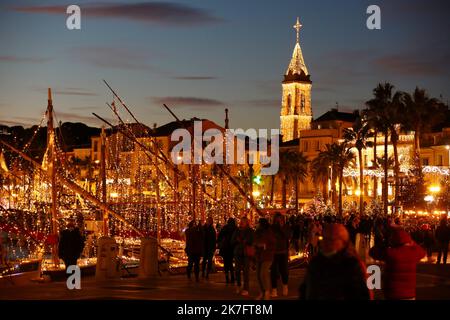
{"x":293,"y":165}
{"x":283,"y":174}
{"x":339,"y":156}
{"x":372,"y":120}
{"x":299,"y":172}
{"x":320,"y":173}
{"x":378,"y":113}
{"x":396,"y":116}
{"x":422,"y":113}
{"x":358,"y":135}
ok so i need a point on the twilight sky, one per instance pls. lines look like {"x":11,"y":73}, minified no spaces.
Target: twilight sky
{"x":200,"y":56}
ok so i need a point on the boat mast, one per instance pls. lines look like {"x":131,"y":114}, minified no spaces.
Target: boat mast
{"x":103,"y":177}
{"x":52,"y":170}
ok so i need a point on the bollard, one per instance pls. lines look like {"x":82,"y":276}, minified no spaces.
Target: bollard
{"x":107,"y":263}
{"x":148,"y":264}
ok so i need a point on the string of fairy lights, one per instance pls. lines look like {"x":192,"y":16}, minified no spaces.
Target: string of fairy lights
{"x":132,"y":184}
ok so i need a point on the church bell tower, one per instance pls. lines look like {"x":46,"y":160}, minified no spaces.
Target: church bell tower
{"x":296,"y":113}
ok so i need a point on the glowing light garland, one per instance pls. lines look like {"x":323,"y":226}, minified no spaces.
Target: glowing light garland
{"x":351,"y":172}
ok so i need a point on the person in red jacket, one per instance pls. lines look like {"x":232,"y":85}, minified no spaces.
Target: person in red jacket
{"x":401,"y":258}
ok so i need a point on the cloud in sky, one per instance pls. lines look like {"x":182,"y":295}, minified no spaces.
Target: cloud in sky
{"x":75,"y":117}
{"x":20,"y":121}
{"x":161,"y":13}
{"x":413,"y":64}
{"x":195,"y":78}
{"x":69,"y":91}
{"x":113,"y":57}
{"x":14,"y":123}
{"x":195,"y":102}
{"x":18,"y":59}
{"x":263,"y":103}
{"x":85,"y":108}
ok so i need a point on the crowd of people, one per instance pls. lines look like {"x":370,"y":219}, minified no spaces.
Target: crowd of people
{"x":336,"y":249}
{"x":243,"y":248}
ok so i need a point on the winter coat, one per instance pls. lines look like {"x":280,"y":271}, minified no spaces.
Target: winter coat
{"x":209,"y":240}
{"x":428,"y":239}
{"x":282,"y":236}
{"x":194,"y":241}
{"x":443,"y":233}
{"x":224,"y":240}
{"x":241,"y":239}
{"x":352,"y":231}
{"x":341,"y":276}
{"x":400,"y":269}
{"x":265,"y":243}
{"x":314,"y":231}
{"x":71,"y":244}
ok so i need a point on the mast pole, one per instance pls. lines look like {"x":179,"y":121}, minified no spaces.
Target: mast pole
{"x":103,"y":176}
{"x":52,"y":170}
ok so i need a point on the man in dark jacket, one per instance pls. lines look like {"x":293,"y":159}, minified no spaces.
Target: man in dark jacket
{"x":336,"y":273}
{"x":264,"y":242}
{"x":279,"y":266}
{"x":71,"y":244}
{"x":194,"y":248}
{"x":242,"y":241}
{"x":401,"y":258}
{"x":226,"y":248}
{"x":209,"y":236}
{"x":443,"y":238}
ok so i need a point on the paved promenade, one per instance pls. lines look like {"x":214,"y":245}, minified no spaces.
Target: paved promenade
{"x":433,"y":282}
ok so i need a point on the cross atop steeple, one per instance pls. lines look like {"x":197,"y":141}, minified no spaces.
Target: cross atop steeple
{"x":297,"y":65}
{"x":297,"y":27}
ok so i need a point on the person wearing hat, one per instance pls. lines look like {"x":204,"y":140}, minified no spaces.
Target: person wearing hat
{"x":401,"y":257}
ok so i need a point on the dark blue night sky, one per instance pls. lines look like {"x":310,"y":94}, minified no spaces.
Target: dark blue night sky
{"x":202,"y":56}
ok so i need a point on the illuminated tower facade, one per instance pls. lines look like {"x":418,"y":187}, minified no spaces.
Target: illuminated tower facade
{"x":296,"y":113}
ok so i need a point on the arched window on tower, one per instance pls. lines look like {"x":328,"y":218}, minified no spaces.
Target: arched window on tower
{"x":288,"y":104}
{"x":297,"y":102}
{"x":302,"y":104}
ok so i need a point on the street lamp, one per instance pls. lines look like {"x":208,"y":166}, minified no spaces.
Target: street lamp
{"x":435,"y":189}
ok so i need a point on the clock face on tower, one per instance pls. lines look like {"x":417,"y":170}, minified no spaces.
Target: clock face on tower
{"x":296,"y":112}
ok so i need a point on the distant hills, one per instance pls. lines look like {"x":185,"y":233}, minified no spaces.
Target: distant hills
{"x":71,"y":135}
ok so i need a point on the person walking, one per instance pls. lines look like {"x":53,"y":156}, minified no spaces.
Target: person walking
{"x":295,"y":232}
{"x":314,"y":232}
{"x":428,"y":241}
{"x":279,"y":266}
{"x":336,"y":273}
{"x":209,"y":248}
{"x":242,"y":241}
{"x":401,"y":257}
{"x":443,"y":238}
{"x":226,"y":248}
{"x":265,"y":251}
{"x":194,"y":249}
{"x":71,"y":244}
{"x":353,"y":229}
